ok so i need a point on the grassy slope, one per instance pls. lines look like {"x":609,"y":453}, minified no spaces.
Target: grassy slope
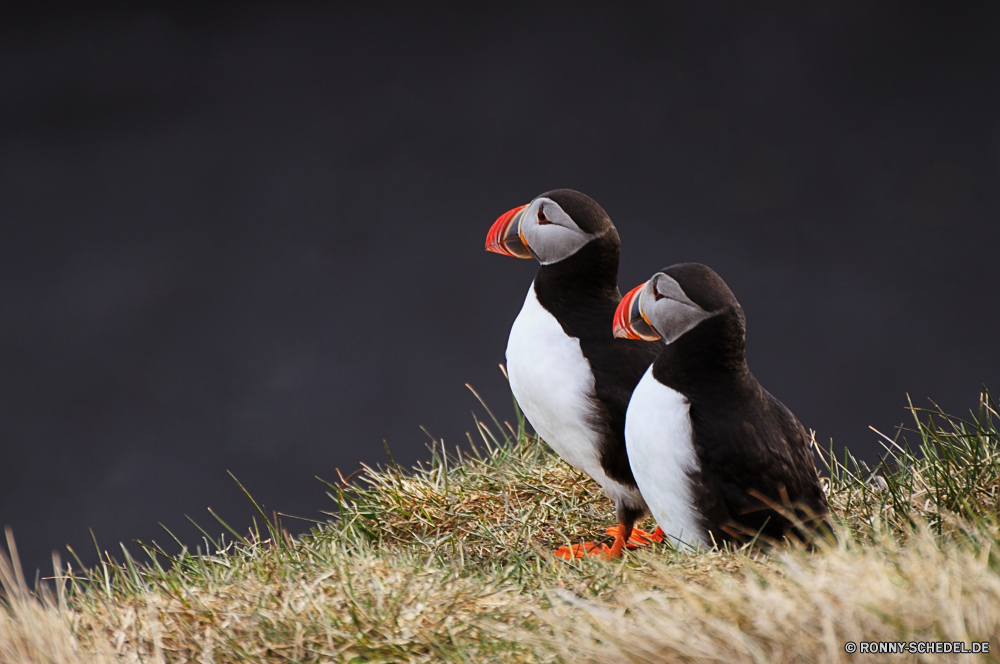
{"x":450,"y":562}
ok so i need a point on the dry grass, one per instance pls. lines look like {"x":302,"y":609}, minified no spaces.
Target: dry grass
{"x":507,"y":499}
{"x":797,"y":607}
{"x":449,"y":562}
{"x":315,"y":603}
{"x":35,"y":628}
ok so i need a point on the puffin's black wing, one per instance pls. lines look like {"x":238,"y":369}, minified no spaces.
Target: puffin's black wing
{"x":618,"y":366}
{"x":800,"y":477}
{"x":756,"y":469}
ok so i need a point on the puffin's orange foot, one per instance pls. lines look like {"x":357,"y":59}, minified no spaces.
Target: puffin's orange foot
{"x":655,"y":536}
{"x":579,"y":550}
{"x":603,"y":550}
{"x":639,"y":538}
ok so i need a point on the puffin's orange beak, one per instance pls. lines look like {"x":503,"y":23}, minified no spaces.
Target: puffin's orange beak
{"x":505,"y":235}
{"x":630,"y":322}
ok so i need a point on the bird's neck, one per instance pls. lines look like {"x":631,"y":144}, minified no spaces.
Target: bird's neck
{"x":709,"y":357}
{"x":592,"y":272}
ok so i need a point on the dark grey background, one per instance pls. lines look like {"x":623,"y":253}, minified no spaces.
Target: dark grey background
{"x":252,"y":238}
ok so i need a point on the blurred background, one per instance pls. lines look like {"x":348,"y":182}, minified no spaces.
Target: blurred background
{"x":250,"y":237}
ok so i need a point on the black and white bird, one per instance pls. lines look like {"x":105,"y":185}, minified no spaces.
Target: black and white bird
{"x":570,"y":377}
{"x":714,"y":454}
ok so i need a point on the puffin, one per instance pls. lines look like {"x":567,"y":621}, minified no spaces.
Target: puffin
{"x":571,"y":378}
{"x":715,"y":456}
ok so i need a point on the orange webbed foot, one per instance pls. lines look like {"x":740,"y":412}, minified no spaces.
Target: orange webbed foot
{"x":655,"y":536}
{"x":639,"y":538}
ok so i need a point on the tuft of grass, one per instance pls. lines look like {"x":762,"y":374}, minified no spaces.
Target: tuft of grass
{"x":950,"y":480}
{"x":37,"y":627}
{"x":502,"y":504}
{"x":450,"y":562}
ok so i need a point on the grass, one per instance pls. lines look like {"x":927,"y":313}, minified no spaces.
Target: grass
{"x":450,"y":562}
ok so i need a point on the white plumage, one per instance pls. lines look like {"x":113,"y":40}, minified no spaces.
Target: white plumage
{"x":658,"y":436}
{"x":554,"y":386}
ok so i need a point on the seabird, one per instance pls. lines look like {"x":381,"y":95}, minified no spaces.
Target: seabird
{"x":570,"y":377}
{"x":715,"y":456}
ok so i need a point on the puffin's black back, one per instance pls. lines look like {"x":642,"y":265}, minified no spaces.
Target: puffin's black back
{"x":752,"y":450}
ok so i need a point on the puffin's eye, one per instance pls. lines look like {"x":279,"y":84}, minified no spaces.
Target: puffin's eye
{"x":541,"y":218}
{"x":657,"y":295}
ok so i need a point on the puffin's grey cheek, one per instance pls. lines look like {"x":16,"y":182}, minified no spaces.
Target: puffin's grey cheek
{"x":551,"y":243}
{"x":673,"y":319}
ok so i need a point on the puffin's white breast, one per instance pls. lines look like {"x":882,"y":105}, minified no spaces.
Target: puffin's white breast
{"x":658,"y":436}
{"x":554,"y":386}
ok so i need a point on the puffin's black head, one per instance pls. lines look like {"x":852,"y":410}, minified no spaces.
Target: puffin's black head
{"x":552,"y":227}
{"x":673,"y":302}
